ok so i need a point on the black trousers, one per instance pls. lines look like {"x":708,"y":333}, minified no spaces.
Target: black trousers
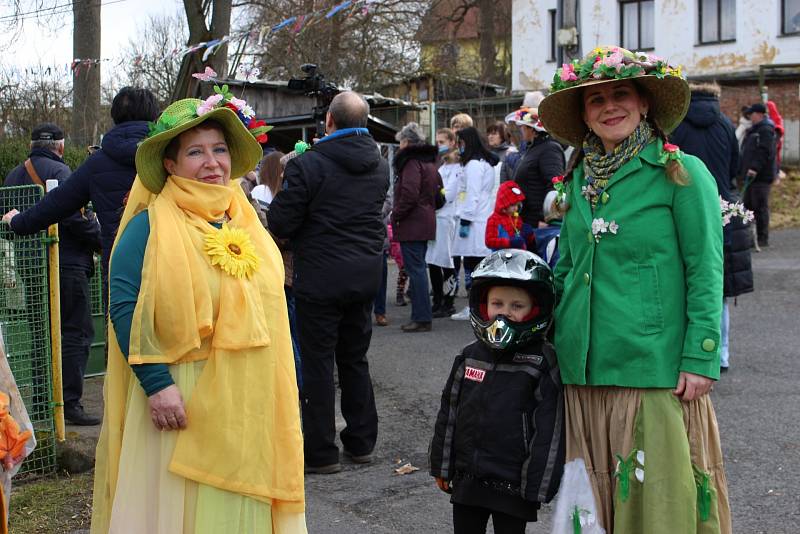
{"x":756,"y":199}
{"x":337,"y":332}
{"x":473,"y":520}
{"x":442,"y":282}
{"x":76,"y":331}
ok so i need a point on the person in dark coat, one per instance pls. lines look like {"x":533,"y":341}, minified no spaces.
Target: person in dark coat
{"x":104,"y":179}
{"x":542,"y":160}
{"x":79,"y":238}
{"x":414,"y":216}
{"x":757,"y":168}
{"x":708,"y":134}
{"x":330,"y":209}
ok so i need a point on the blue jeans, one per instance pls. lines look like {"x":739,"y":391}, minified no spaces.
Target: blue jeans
{"x":380,"y":299}
{"x":290,"y":307}
{"x":724,"y":330}
{"x":417,"y":270}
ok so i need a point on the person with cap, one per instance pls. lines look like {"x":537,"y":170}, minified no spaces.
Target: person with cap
{"x":201,"y":428}
{"x":708,"y":134}
{"x":542,"y":160}
{"x":414,"y":216}
{"x":639,"y":283}
{"x":79,"y":238}
{"x":330,"y":209}
{"x":757,"y":168}
{"x":103,"y":179}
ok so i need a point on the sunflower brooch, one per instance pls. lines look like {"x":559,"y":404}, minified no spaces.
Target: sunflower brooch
{"x":232,"y":250}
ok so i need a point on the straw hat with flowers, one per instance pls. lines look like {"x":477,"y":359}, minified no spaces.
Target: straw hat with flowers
{"x":243,"y":133}
{"x":560,"y":111}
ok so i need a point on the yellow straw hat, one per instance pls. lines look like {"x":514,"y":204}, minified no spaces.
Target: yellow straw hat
{"x":243,"y":132}
{"x":560,"y":111}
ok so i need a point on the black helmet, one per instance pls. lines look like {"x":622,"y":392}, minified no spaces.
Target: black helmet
{"x":511,"y":267}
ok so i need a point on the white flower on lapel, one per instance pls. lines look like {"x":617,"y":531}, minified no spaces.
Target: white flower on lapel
{"x":600,"y":226}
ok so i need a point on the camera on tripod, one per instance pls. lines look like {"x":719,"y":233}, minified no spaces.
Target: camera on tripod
{"x":314,"y":84}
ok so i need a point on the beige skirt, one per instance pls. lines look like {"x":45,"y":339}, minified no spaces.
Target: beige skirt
{"x":654,"y":463}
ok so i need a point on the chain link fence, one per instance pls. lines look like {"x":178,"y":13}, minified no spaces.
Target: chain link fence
{"x":25,"y":323}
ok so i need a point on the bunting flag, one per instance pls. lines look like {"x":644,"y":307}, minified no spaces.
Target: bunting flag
{"x":296,"y":23}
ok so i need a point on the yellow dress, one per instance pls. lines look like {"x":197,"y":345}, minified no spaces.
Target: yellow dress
{"x":237,"y":467}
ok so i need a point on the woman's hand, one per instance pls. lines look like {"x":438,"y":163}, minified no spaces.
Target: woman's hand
{"x":443,"y":485}
{"x":10,"y":215}
{"x":691,"y":386}
{"x":166,"y":409}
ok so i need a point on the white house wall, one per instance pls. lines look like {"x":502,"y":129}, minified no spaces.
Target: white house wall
{"x":757,"y":41}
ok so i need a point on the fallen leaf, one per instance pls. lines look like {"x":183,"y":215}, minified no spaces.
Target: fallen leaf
{"x":405,"y":469}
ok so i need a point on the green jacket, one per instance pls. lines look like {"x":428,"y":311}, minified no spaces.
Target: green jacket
{"x":643,"y":304}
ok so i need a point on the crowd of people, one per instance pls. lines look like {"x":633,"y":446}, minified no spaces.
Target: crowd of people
{"x":232,"y":303}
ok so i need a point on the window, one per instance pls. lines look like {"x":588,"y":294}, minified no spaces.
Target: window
{"x":553,"y":28}
{"x":790,"y":17}
{"x":716,"y":21}
{"x":637,"y":24}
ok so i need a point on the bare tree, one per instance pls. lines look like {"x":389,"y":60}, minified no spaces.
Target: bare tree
{"x":31,"y":96}
{"x":363,"y":47}
{"x":85,"y":43}
{"x":208,"y":20}
{"x":150,"y":60}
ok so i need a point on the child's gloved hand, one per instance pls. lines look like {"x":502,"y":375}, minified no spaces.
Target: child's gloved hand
{"x":517,"y":242}
{"x":463,"y":230}
{"x":444,"y":485}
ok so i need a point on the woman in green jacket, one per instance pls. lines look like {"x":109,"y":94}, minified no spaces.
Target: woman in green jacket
{"x":640,"y":287}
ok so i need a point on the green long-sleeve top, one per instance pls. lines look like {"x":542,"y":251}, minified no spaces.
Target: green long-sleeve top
{"x":125,"y":281}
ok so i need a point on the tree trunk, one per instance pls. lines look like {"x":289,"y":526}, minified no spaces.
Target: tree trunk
{"x":487,"y":49}
{"x":86,"y":77}
{"x":186,"y":86}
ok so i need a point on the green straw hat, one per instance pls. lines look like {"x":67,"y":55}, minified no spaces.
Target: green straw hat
{"x":185,"y":114}
{"x":560,"y":111}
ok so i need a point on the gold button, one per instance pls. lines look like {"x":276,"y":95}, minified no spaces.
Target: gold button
{"x":587,"y":278}
{"x":604,"y":198}
{"x":709,"y":345}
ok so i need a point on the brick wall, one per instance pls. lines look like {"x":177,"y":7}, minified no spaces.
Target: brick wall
{"x":785,"y":94}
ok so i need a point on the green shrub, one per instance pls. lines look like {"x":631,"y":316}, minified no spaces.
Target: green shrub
{"x":15,"y":150}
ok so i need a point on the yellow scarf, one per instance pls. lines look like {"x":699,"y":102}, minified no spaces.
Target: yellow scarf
{"x":243,"y":433}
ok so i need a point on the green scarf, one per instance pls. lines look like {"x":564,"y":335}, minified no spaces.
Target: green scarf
{"x":599,"y":166}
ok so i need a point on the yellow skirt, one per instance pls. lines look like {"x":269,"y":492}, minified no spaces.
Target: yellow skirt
{"x":150,"y":499}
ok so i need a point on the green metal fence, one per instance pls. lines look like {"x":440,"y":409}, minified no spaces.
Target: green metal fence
{"x":97,"y":354}
{"x":25,"y":323}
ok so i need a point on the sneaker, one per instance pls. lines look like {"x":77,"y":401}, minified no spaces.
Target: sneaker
{"x":323,"y":469}
{"x":75,"y":415}
{"x":463,"y":315}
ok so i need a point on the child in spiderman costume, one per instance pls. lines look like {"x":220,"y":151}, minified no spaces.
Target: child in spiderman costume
{"x":505,"y":228}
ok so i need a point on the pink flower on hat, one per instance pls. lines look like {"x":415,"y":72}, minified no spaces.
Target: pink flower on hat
{"x":614,"y":60}
{"x":208,"y":104}
{"x":568,"y":73}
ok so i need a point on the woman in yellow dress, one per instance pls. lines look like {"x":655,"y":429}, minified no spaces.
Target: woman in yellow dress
{"x":201,"y":430}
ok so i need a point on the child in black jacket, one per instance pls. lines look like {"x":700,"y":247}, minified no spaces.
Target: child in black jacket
{"x":498,"y":445}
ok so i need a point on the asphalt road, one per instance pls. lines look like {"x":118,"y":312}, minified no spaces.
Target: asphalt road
{"x":757,"y":403}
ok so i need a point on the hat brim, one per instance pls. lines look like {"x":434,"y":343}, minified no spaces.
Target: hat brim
{"x":511,"y":118}
{"x":245,"y":151}
{"x":561,"y":116}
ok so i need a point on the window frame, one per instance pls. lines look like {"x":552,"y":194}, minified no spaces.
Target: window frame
{"x":719,"y":39}
{"x":638,"y":3}
{"x":783,"y":32}
{"x":552,"y":18}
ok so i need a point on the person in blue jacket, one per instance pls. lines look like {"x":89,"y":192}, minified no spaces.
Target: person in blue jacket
{"x":79,"y":237}
{"x":104,"y":179}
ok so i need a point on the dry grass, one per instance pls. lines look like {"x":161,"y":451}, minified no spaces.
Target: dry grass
{"x":59,"y":504}
{"x":785,"y":201}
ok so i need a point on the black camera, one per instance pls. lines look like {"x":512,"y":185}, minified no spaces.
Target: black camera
{"x":314,"y":84}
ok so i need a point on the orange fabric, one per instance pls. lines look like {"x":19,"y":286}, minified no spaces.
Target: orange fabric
{"x":12,"y":441}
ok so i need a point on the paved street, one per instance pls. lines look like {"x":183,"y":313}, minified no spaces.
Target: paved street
{"x":757,"y":404}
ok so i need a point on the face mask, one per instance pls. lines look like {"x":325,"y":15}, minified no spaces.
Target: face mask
{"x":461,"y":150}
{"x":444,"y":149}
